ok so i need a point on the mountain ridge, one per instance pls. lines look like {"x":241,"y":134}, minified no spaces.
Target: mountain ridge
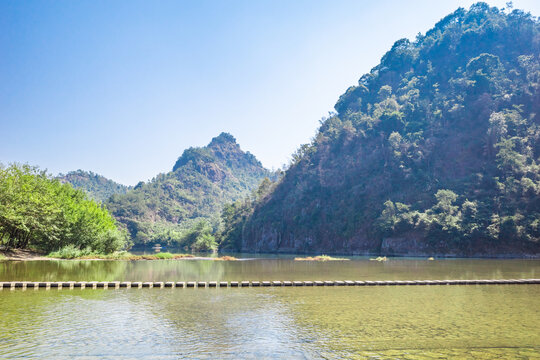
{"x":202,"y":180}
{"x":97,"y":186}
{"x":435,"y":151}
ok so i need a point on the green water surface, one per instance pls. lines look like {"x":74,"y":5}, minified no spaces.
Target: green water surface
{"x":402,"y":322}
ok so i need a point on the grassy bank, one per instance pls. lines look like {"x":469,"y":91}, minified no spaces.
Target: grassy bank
{"x":126,"y":256}
{"x":76,"y":254}
{"x":131,"y":257}
{"x":71,"y":252}
{"x":319,"y":258}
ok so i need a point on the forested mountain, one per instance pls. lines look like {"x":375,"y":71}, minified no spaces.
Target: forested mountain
{"x":96,"y":186}
{"x":436,"y":150}
{"x":191,"y":196}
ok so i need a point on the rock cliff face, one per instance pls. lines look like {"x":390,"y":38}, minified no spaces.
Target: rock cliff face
{"x":436,"y":150}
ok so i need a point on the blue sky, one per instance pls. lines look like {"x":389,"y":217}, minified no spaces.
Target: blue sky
{"x":121,"y":88}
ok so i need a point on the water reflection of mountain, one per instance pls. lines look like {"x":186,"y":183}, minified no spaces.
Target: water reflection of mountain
{"x":83,"y":270}
{"x":266,"y":269}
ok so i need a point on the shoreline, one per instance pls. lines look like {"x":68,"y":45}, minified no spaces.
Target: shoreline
{"x":32,"y":255}
{"x":23,"y":255}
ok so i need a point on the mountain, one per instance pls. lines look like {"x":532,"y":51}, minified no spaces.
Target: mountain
{"x":201,"y":181}
{"x":435,"y":151}
{"x":96,"y":186}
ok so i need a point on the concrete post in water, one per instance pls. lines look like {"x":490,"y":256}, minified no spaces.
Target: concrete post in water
{"x":266,"y":283}
{"x":244,"y":284}
{"x":255,"y":284}
{"x":287,"y":283}
{"x":169,"y":284}
{"x":212,"y":284}
{"x":148,"y":284}
{"x":308,"y":283}
{"x":201,"y":284}
{"x":136,"y":284}
{"x":180,"y":284}
{"x":318,"y":283}
{"x":125,"y":284}
{"x":328,"y":283}
{"x":276,"y":283}
{"x":298,"y":283}
{"x":191,"y":284}
{"x":339,"y":283}
{"x":223,"y":284}
{"x":234,"y":283}
{"x":67,"y":285}
{"x":158,"y":284}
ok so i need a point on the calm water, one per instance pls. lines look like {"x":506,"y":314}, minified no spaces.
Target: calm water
{"x":486,"y":322}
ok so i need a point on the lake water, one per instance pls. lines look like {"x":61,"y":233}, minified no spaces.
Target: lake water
{"x":412,"y":322}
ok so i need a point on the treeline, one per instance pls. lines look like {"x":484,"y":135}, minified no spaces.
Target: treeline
{"x":39,"y":212}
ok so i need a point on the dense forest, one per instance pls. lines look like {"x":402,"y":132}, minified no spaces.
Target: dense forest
{"x":435,"y":151}
{"x":96,"y":186}
{"x":183,"y":207}
{"x":39,"y":212}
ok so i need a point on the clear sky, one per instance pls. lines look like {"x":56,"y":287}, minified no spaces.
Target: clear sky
{"x":121,"y":88}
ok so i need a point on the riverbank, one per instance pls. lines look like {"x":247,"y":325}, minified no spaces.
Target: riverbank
{"x":22,"y":255}
{"x":32,"y":255}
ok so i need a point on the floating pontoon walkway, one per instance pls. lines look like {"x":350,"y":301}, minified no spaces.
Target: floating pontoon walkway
{"x":236,"y":284}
